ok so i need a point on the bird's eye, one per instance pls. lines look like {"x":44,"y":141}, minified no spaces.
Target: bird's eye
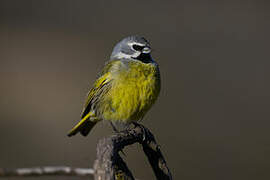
{"x":137,"y":47}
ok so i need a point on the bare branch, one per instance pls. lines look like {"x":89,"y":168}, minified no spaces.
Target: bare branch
{"x":47,"y":171}
{"x":109,"y":164}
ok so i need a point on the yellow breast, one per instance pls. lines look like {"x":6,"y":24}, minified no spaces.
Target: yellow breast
{"x":134,"y":91}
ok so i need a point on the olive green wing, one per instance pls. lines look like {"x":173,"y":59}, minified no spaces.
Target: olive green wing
{"x":101,"y":87}
{"x":89,"y":118}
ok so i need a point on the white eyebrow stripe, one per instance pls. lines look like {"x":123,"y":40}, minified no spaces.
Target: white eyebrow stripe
{"x":136,"y":43}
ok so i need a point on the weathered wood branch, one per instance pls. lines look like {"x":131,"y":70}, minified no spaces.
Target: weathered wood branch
{"x":109,"y":164}
{"x":46,"y":171}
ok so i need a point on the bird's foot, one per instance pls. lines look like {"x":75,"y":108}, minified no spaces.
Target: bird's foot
{"x":145,"y":132}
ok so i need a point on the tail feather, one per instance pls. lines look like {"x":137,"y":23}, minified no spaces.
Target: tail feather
{"x":87,"y":127}
{"x":84,"y":126}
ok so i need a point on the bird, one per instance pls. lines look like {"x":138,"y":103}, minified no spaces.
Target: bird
{"x":127,"y":87}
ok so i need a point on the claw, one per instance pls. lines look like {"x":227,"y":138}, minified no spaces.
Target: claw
{"x":122,"y":151}
{"x":145,"y":132}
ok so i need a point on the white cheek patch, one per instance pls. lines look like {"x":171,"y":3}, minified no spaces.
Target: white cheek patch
{"x":136,"y":54}
{"x":121,"y":55}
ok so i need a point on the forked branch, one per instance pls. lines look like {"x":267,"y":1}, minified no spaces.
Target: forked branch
{"x":109,"y":164}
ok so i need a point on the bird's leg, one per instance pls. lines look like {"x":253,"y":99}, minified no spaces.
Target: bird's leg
{"x":114,"y":128}
{"x":116,"y":131}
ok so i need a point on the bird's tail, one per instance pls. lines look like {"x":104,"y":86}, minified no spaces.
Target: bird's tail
{"x":84,"y":126}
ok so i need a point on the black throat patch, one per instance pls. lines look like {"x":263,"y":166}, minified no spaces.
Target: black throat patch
{"x":145,"y":58}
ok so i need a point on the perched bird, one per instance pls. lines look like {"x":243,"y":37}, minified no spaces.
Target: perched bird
{"x":125,"y":90}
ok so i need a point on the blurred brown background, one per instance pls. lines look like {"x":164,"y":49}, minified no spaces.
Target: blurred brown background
{"x":212,"y":117}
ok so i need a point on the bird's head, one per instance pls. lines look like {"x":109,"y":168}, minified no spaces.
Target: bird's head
{"x":133,"y":47}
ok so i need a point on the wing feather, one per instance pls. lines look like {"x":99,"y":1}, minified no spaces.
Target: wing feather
{"x":101,"y":87}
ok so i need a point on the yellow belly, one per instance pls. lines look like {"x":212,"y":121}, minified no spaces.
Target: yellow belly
{"x":133,"y":92}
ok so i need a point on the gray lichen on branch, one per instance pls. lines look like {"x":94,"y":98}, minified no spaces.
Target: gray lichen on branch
{"x":46,"y":171}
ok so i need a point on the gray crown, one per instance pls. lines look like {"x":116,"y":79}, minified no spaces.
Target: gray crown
{"x":130,"y":47}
